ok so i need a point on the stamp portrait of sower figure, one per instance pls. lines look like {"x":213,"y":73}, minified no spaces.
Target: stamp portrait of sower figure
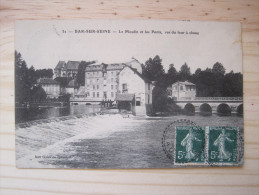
{"x":223,"y":145}
{"x":220,"y":143}
{"x":188,"y":143}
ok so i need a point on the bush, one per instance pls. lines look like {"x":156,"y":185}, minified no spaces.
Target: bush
{"x":159,"y":99}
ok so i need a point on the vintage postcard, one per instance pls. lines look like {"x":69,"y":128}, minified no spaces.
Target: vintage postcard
{"x":128,"y":94}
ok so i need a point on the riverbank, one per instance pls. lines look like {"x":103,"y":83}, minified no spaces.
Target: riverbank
{"x":27,"y":115}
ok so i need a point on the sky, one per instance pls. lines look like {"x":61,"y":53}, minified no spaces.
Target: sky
{"x":43,"y":43}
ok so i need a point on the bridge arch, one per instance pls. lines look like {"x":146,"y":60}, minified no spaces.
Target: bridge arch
{"x":205,"y":109}
{"x":224,"y":109}
{"x":240,"y":110}
{"x":189,"y":109}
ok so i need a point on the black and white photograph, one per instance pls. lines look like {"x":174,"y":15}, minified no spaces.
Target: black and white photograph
{"x":113,"y":94}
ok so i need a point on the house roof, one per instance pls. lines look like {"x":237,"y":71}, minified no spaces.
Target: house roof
{"x":116,"y":66}
{"x":183,"y":83}
{"x":81,"y":91}
{"x":104,"y":67}
{"x":72,"y":84}
{"x":47,"y":81}
{"x":134,"y":61}
{"x":61,"y":64}
{"x":137,"y":73}
{"x":73,"y":65}
{"x":128,"y":97}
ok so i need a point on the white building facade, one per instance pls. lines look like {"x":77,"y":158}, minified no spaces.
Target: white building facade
{"x":101,"y":81}
{"x":182,"y":91}
{"x":135,"y":89}
{"x":50,"y":86}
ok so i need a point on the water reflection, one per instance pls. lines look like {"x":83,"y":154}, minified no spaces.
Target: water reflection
{"x":30,"y":114}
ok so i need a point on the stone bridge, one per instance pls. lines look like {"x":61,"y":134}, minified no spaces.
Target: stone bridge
{"x":209,"y":105}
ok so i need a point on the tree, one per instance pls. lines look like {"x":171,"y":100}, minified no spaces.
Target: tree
{"x":159,"y":99}
{"x":171,"y":75}
{"x":208,"y":85}
{"x":218,"y":68}
{"x":208,"y":70}
{"x":195,"y":77}
{"x":22,"y":84}
{"x":81,"y":72}
{"x":153,"y":69}
{"x":233,"y":85}
{"x":32,"y":77}
{"x":197,"y":72}
{"x":26,"y":88}
{"x":44,"y":73}
{"x":38,"y":94}
{"x":184,"y":73}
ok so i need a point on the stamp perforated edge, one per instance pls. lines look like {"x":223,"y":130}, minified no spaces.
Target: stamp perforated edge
{"x":190,"y":163}
{"x":238,"y":147}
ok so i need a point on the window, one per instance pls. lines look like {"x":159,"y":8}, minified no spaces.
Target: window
{"x":181,"y":88}
{"x":111,"y":86}
{"x":97,"y":80}
{"x":112,"y":94}
{"x":137,"y":101}
{"x":97,"y":86}
{"x":124,"y":86}
{"x":104,"y":94}
{"x":97,"y":94}
{"x":112,"y":73}
{"x":93,"y":86}
{"x":93,"y":94}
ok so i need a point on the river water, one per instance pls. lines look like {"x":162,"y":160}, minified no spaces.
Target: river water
{"x":100,"y":141}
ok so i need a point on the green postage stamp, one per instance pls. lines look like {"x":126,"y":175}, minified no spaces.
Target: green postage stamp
{"x":223,"y":147}
{"x":190,"y":144}
{"x":206,"y":146}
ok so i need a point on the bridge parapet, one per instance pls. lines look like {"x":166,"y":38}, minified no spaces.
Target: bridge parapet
{"x":219,"y":98}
